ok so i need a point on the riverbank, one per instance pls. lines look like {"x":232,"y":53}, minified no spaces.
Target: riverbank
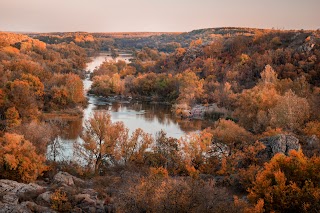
{"x":71,"y":114}
{"x":200,"y":111}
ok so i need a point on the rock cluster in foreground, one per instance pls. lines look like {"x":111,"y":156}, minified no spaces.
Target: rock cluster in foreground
{"x":24,"y":198}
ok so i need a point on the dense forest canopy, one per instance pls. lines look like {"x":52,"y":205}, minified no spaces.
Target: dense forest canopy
{"x":261,"y":87}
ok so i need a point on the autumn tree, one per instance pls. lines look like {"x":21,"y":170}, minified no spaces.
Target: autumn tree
{"x":190,"y":88}
{"x":65,"y":90}
{"x":107,"y":85}
{"x":106,"y":68}
{"x":268,"y":75}
{"x":2,"y":98}
{"x":40,"y":134}
{"x":159,"y":192}
{"x":166,"y":153}
{"x":12,"y":117}
{"x":100,"y":138}
{"x":244,"y":165}
{"x":179,"y":54}
{"x":19,"y":159}
{"x":312,"y":128}
{"x":226,"y":134}
{"x":253,"y":104}
{"x":195,"y":151}
{"x":59,"y":96}
{"x":74,"y":87}
{"x":290,"y":112}
{"x":36,"y":86}
{"x":24,"y":99}
{"x":224,"y":95}
{"x":133,"y":149}
{"x":128,"y":70}
{"x":288,"y":184}
{"x":196,"y":43}
{"x":214,"y":49}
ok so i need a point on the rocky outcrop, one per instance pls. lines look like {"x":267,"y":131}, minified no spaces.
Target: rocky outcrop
{"x":24,"y":198}
{"x":44,"y":197}
{"x":65,"y":179}
{"x":198,"y":111}
{"x":6,"y":207}
{"x":12,"y":191}
{"x":9,"y":186}
{"x":279,"y":144}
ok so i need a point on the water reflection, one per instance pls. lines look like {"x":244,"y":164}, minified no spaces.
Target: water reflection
{"x":150,"y":117}
{"x":73,"y":129}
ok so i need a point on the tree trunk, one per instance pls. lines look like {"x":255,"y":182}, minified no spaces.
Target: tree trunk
{"x":97,"y":165}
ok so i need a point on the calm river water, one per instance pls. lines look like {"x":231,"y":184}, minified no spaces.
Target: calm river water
{"x":134,"y":114}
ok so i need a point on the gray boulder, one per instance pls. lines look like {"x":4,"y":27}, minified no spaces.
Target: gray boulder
{"x":64,"y":178}
{"x":10,"y":192}
{"x":44,"y":197}
{"x":84,"y":198}
{"x":10,"y":186}
{"x":313,"y":141}
{"x":36,"y":208}
{"x":10,"y":198}
{"x":14,"y":208}
{"x":279,"y":144}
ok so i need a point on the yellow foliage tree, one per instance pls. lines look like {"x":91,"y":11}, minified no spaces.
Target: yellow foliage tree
{"x":290,"y":112}
{"x":191,"y":87}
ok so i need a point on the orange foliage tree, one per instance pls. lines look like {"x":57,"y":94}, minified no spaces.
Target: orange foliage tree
{"x":12,"y":117}
{"x":36,"y":86}
{"x":74,"y":87}
{"x":2,"y":97}
{"x":253,"y":104}
{"x":100,"y":138}
{"x":195,"y":151}
{"x":312,"y":128}
{"x":19,"y":160}
{"x":167,"y":152}
{"x":133,"y":149}
{"x":230,"y":134}
{"x":24,"y":99}
{"x":106,"y":85}
{"x":288,"y":184}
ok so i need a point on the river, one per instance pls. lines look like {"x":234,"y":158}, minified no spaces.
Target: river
{"x":134,"y":114}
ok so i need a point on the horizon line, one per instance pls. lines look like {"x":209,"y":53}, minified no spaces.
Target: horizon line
{"x":173,"y":32}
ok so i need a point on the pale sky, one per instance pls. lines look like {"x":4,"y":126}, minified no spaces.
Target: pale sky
{"x":155,"y":15}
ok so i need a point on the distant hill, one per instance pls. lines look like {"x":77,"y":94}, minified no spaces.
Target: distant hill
{"x":163,"y":41}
